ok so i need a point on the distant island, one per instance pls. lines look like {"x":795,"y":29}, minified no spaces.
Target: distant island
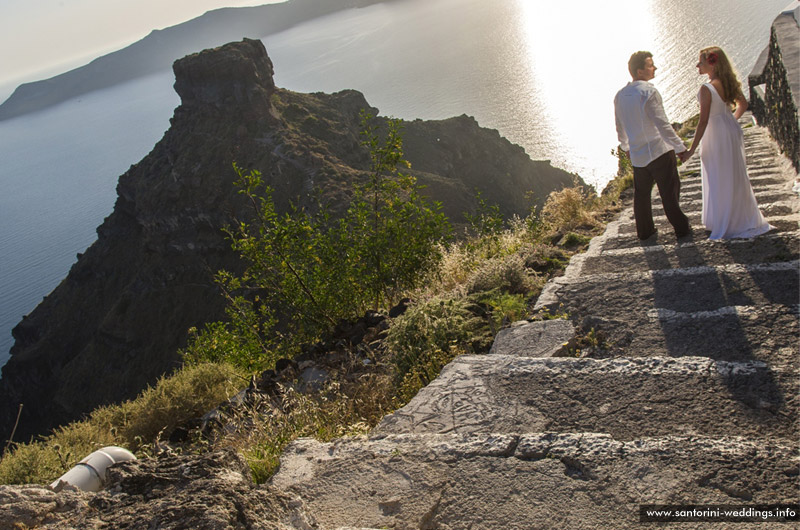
{"x":158,"y":50}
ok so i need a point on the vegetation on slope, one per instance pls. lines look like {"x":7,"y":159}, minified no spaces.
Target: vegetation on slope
{"x":391,"y":244}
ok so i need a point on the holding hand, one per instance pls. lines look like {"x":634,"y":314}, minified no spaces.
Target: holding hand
{"x":685,"y":155}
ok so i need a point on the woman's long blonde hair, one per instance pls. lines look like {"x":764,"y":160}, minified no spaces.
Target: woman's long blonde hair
{"x":726,"y":73}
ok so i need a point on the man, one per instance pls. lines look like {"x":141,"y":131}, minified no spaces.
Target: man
{"x":648,"y":139}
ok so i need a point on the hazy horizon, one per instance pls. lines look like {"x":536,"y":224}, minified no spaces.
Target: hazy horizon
{"x":60,"y":36}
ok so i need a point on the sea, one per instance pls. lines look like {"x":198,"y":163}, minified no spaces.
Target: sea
{"x":542,"y":73}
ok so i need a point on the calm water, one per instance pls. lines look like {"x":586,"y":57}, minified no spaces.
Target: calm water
{"x":543,"y":73}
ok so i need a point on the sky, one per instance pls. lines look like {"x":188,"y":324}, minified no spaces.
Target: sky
{"x":42,"y":38}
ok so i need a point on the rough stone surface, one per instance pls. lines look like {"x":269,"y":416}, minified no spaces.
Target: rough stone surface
{"x":626,"y":398}
{"x":733,"y":300}
{"x":211,"y":491}
{"x":535,"y":481}
{"x":546,"y":338}
{"x":628,"y":308}
{"x":768,"y":248}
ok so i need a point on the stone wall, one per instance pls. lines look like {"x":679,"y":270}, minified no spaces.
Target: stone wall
{"x":775,"y":83}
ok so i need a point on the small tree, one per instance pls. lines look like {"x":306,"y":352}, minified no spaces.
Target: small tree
{"x":394,"y":228}
{"x":313,"y":271}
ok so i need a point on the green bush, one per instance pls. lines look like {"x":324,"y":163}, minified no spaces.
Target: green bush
{"x":503,"y":308}
{"x":394,"y":230}
{"x":319,"y":270}
{"x":571,"y":239}
{"x":246,"y":340}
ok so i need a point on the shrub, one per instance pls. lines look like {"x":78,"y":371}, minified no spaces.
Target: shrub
{"x":544,"y":259}
{"x":568,"y":209}
{"x":320,"y":271}
{"x":394,"y":231}
{"x":343,"y":408}
{"x":430,"y":335}
{"x":503,"y":308}
{"x":507,"y":273}
{"x":463,"y":261}
{"x":246,"y":340}
{"x":571,"y":240}
{"x":486,"y":221}
{"x":624,"y":178}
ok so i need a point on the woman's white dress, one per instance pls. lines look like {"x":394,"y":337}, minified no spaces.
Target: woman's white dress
{"x":729,"y":205}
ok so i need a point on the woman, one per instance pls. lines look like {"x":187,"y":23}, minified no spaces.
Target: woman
{"x":729,"y":205}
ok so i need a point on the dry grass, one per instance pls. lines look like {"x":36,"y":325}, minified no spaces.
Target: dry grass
{"x":345,"y":407}
{"x":135,"y":424}
{"x":569,"y":209}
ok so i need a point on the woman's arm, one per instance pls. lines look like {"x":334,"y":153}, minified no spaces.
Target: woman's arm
{"x":705,"y":108}
{"x":741,"y":106}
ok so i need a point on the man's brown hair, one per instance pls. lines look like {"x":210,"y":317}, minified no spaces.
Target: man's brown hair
{"x":636,"y":62}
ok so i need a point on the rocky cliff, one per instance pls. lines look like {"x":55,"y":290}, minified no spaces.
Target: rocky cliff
{"x":157,"y":51}
{"x":115,"y":323}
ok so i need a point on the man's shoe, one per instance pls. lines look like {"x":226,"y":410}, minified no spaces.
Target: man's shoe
{"x":650,"y":235}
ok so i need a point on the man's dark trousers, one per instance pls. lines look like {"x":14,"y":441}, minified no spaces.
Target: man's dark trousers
{"x":664,"y":172}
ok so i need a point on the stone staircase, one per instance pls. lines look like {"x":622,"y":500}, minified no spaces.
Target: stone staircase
{"x":694,"y":400}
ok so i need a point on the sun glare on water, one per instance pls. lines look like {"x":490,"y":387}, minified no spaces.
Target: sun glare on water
{"x":577,"y":60}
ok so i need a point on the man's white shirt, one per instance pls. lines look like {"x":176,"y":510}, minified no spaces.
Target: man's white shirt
{"x":642,"y":125}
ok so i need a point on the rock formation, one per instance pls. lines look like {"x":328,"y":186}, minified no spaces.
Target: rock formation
{"x":115,"y":323}
{"x":208,"y":491}
{"x":157,"y":51}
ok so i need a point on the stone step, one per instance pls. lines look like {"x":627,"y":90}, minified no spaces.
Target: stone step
{"x":731,"y":312}
{"x":767,"y":181}
{"x":768,"y":248}
{"x":542,"y":338}
{"x":536,"y":481}
{"x":733,"y":333}
{"x":757,"y":154}
{"x":757,"y":180}
{"x":762,"y":155}
{"x":759,"y":159}
{"x":774,"y":168}
{"x":758,"y":151}
{"x":767,"y":170}
{"x":703,"y":288}
{"x":621,"y":233}
{"x":737,"y":333}
{"x":693,"y":199}
{"x":757,"y":148}
{"x":779,"y":215}
{"x":626,"y":398}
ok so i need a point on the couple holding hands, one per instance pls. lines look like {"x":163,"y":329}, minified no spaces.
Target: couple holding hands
{"x":648,"y":139}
